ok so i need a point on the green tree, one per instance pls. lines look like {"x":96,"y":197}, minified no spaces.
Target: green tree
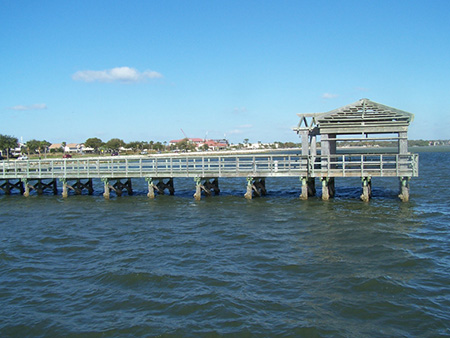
{"x":63,"y":145}
{"x":6,"y":143}
{"x":36,"y":146}
{"x":114,"y":144}
{"x":185,"y":145}
{"x":136,"y":145}
{"x":95,"y":143}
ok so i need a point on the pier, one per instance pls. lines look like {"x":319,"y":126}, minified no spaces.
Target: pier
{"x":358,"y":121}
{"x":118,"y":172}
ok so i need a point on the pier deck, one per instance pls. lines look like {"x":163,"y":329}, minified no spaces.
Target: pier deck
{"x":246,"y":165}
{"x":160,"y":170}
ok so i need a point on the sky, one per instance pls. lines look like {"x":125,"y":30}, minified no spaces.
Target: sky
{"x":159,"y":70}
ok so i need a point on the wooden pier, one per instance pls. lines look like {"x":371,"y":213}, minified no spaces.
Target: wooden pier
{"x":159,"y":171}
{"x":355,"y":122}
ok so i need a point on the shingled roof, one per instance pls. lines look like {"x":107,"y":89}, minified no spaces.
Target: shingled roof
{"x":363,"y":116}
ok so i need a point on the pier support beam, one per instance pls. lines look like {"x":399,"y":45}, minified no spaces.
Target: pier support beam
{"x":308,"y":187}
{"x":40,"y":186}
{"x":366,"y":189}
{"x":404,"y":189}
{"x":119,"y":187}
{"x":256,"y":186}
{"x":159,"y":187}
{"x":77,"y":187}
{"x":8,"y":186}
{"x":207,"y":187}
{"x":328,"y":189}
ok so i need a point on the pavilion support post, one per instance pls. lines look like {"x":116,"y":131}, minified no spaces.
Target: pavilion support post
{"x":404,"y":189}
{"x":328,"y":189}
{"x":403,"y":142}
{"x":366,"y":189}
{"x":308,"y":187}
{"x":305,"y":142}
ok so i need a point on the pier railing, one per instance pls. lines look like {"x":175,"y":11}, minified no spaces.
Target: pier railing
{"x":260,"y":165}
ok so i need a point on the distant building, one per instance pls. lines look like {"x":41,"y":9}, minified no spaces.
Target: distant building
{"x":196,"y":141}
{"x":199,"y":142}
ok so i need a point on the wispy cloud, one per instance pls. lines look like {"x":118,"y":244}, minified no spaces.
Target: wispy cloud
{"x":239,"y":110}
{"x":239,"y":129}
{"x":362,"y":89}
{"x":245,"y":126}
{"x":37,"y":106}
{"x":329,"y":96}
{"x":118,"y":74}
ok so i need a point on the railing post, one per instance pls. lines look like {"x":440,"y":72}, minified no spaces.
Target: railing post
{"x":396,"y":165}
{"x":203,"y":166}
{"x":381,"y":164}
{"x":343,"y":165}
{"x":362,"y":165}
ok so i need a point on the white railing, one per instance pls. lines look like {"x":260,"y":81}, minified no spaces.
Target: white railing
{"x":342,"y":165}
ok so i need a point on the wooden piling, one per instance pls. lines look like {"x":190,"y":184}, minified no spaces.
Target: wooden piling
{"x":255,"y":186}
{"x":207,"y":187}
{"x":328,"y":189}
{"x":65,"y":190}
{"x":151,"y":187}
{"x":308,"y":187}
{"x":107,"y":186}
{"x":366,"y":189}
{"x":404,"y":189}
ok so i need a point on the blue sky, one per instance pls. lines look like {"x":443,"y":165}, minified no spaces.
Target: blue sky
{"x":142,"y":70}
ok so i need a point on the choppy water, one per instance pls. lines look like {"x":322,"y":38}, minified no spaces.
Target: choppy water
{"x":225,"y":266}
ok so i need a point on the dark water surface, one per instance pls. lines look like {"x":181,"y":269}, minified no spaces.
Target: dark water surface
{"x":225,"y":266}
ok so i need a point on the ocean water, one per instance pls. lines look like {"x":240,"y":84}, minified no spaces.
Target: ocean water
{"x":225,"y":266}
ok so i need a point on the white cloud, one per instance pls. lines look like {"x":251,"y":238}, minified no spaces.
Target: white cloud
{"x":234,"y":132}
{"x":119,"y":74}
{"x":245,"y":126}
{"x":329,"y":96}
{"x":37,"y":106}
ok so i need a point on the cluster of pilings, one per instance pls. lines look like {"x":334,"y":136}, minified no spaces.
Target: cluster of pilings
{"x":328,"y":188}
{"x":256,"y":187}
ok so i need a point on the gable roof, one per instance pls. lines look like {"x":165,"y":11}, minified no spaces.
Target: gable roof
{"x":363,"y":116}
